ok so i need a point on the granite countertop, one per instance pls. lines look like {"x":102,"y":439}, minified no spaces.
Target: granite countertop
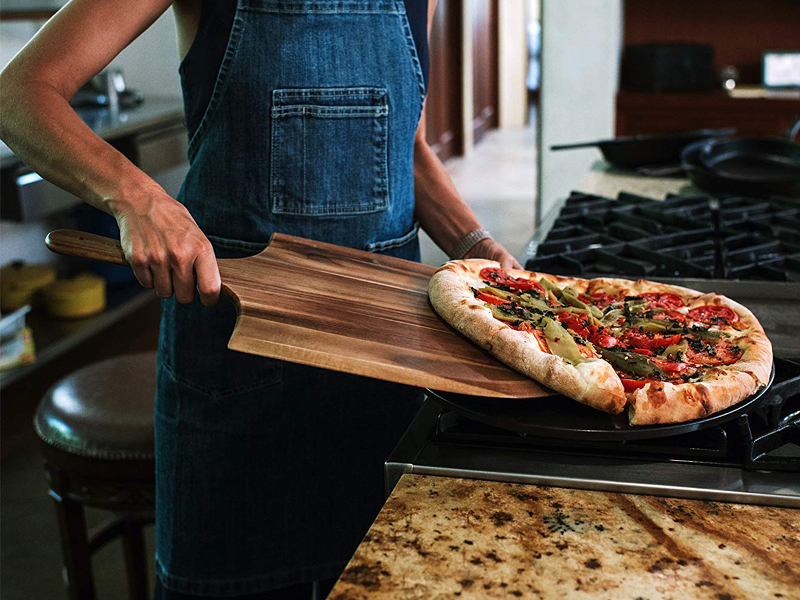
{"x":441,"y":537}
{"x":606,"y":180}
{"x":153,"y":112}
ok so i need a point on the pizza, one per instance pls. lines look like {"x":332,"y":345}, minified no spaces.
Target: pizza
{"x":668,"y":353}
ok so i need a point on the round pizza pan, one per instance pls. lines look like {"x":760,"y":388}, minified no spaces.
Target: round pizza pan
{"x":561,"y":417}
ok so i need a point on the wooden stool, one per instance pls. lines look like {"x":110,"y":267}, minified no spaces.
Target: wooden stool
{"x":96,"y":428}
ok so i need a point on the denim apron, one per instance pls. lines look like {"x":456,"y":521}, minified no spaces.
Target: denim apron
{"x":269,"y":473}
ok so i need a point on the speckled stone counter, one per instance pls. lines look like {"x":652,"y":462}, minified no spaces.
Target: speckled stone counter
{"x":440,"y":537}
{"x":606,"y":180}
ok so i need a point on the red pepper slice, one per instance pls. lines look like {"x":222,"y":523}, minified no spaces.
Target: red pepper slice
{"x":491,"y":298}
{"x":644,"y":351}
{"x":642,"y":340}
{"x":574,"y":323}
{"x":712,"y":314}
{"x":663,"y":300}
{"x":634,"y":384}
{"x":675,"y":368}
{"x":672,"y":315}
{"x":603,"y":340}
{"x":601,"y":300}
{"x":500,"y":276}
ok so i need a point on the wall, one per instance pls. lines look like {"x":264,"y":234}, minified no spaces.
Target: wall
{"x":150,"y":62}
{"x":513,"y":63}
{"x":581,"y":44}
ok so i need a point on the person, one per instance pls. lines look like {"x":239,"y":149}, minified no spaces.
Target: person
{"x":305,"y":117}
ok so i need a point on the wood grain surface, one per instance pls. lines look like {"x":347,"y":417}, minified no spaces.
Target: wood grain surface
{"x":341,"y":309}
{"x":357,"y":312}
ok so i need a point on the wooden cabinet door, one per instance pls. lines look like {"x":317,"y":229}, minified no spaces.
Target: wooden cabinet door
{"x":485,"y":69}
{"x":443,"y":108}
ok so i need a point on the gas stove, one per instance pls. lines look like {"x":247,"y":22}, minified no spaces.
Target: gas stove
{"x":746,"y":249}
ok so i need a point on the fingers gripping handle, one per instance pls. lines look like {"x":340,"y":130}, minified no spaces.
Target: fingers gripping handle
{"x":86,"y":245}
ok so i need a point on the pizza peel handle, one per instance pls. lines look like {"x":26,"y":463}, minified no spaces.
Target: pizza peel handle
{"x":341,"y":309}
{"x":86,"y":245}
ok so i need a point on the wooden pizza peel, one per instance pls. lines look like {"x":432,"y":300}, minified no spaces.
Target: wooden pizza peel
{"x":341,"y":309}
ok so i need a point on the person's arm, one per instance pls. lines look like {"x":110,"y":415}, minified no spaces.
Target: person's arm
{"x":439,"y":209}
{"x":159,"y":237}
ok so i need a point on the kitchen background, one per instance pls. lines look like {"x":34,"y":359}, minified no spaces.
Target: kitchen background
{"x":509,"y":79}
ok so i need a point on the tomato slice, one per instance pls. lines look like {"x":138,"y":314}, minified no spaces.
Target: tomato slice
{"x":672,"y":315}
{"x":663,"y":300}
{"x":712,"y":314}
{"x":631,"y":385}
{"x":490,"y":298}
{"x":724,"y":353}
{"x":501,"y":276}
{"x":642,"y":340}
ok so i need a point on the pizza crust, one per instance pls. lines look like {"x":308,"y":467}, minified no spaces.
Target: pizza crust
{"x":670,"y":403}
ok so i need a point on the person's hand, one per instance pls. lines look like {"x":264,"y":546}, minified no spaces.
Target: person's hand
{"x":166,"y":248}
{"x":493,"y":251}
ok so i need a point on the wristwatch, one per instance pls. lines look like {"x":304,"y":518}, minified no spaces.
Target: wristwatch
{"x":468,"y":241}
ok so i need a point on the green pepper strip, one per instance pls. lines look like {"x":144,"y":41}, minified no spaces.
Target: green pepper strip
{"x":632,"y":363}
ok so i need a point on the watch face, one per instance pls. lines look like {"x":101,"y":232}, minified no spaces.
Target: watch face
{"x":782,"y":69}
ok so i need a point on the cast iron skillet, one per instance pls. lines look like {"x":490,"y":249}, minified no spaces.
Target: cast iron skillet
{"x":711,"y":181}
{"x":767,"y":160}
{"x":645,"y":150}
{"x":561,"y":417}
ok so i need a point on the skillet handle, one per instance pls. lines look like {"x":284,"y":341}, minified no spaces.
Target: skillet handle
{"x":575,"y":146}
{"x":793,"y":129}
{"x":86,"y":245}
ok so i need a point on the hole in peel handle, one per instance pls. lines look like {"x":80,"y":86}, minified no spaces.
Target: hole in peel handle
{"x":86,"y":245}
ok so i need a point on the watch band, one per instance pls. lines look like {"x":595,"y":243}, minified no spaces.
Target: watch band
{"x":468,"y":241}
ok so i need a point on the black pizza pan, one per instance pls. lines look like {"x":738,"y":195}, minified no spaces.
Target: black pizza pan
{"x":560,"y":417}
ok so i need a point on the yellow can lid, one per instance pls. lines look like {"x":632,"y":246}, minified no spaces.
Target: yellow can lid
{"x":21,"y":275}
{"x":84,"y":283}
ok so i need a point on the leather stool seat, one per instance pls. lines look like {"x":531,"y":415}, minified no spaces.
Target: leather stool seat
{"x":96,"y":426}
{"x":104,"y":410}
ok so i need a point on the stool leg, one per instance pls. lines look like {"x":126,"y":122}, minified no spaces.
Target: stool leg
{"x":135,"y":558}
{"x":75,"y":548}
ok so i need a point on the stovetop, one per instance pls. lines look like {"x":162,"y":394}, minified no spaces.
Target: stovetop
{"x":752,"y":459}
{"x":699,"y":237}
{"x":744,"y":248}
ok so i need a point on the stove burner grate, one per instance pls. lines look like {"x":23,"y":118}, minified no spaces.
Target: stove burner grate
{"x":681,"y":236}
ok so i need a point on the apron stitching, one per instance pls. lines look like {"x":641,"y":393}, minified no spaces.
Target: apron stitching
{"x":221,"y":83}
{"x":415,"y":64}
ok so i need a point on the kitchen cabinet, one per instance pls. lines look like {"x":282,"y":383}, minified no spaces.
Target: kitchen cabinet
{"x":443,"y":101}
{"x":485,"y":75}
{"x":642,"y":113}
{"x":739,"y":31}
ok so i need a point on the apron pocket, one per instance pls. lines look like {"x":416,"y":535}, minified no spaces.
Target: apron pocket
{"x":329,"y":151}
